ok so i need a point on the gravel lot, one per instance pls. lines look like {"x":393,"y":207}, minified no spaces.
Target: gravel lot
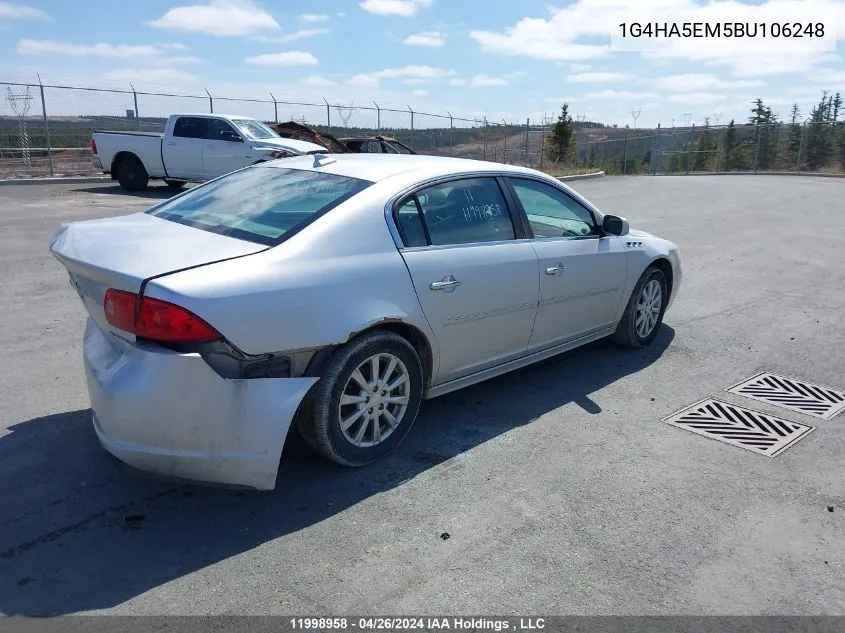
{"x":561,"y":490}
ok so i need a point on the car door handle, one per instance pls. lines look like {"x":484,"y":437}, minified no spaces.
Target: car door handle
{"x":556,"y":269}
{"x":172,"y":144}
{"x":208,"y":146}
{"x":445,"y":284}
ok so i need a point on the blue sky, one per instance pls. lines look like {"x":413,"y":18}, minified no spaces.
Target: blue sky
{"x":500,"y":59}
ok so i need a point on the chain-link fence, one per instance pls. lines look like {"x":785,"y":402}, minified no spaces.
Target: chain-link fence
{"x":46,"y":130}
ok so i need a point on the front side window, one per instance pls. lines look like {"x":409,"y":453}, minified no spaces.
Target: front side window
{"x":190,"y":127}
{"x":217,"y":128}
{"x":254,"y":129}
{"x":552,"y":213}
{"x":466,"y":211}
{"x":263,"y":204}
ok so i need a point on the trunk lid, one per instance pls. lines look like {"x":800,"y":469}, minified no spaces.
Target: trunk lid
{"x":125,"y":251}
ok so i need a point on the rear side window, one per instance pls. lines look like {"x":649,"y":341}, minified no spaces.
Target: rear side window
{"x":190,"y":127}
{"x":262,"y":204}
{"x":466,"y":211}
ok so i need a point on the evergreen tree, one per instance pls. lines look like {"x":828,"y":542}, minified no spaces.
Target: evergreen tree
{"x":819,"y":134}
{"x":562,"y":142}
{"x":706,"y":150}
{"x":794,"y":145}
{"x":732,"y":148}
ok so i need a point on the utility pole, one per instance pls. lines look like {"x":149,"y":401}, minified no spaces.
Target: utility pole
{"x":687,"y":117}
{"x":717,"y":116}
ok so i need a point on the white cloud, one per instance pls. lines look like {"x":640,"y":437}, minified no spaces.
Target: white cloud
{"x":457,"y":82}
{"x":426,"y":38}
{"x":621,"y":95}
{"x":287,"y":58}
{"x":698,"y":82}
{"x":115,"y":51}
{"x":151,"y":76}
{"x":596,"y":78}
{"x":318,"y":82}
{"x":582,"y":30}
{"x":403,"y":8}
{"x":829,"y":78}
{"x":314,"y":17}
{"x":289,"y":37}
{"x":696,"y":97}
{"x":406,"y":72}
{"x":12,"y":11}
{"x":218,"y":17}
{"x":419,"y":92}
{"x":175,"y":46}
{"x":485,"y":81}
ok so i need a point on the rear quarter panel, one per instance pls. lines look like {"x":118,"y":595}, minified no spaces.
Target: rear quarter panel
{"x":340,"y":275}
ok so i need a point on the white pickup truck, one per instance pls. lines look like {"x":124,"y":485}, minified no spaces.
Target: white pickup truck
{"x":193,"y":148}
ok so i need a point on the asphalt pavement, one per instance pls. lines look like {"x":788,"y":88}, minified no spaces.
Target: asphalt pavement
{"x":556,"y":489}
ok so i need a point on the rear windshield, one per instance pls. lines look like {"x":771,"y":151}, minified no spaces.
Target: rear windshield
{"x":262,"y":204}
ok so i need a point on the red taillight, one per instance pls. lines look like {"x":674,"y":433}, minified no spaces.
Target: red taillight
{"x":154,"y":319}
{"x":93,"y":146}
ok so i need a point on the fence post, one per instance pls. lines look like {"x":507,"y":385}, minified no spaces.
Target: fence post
{"x":757,"y":152}
{"x":505,"y":158}
{"x":543,"y":142}
{"x":328,"y":115}
{"x":625,"y":156}
{"x":378,"y":117}
{"x":801,"y":146}
{"x":135,"y":102}
{"x":451,"y":131}
{"x":210,"y":101}
{"x":46,"y":127}
{"x":527,"y":132}
{"x":412,"y":127}
{"x":275,"y":108}
{"x":484,"y":141}
{"x":655,"y":150}
{"x":689,"y":148}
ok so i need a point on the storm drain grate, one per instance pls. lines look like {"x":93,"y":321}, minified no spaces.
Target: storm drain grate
{"x":795,"y":395}
{"x":738,"y":426}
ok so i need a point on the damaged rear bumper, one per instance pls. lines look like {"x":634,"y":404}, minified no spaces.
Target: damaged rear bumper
{"x":170,"y":414}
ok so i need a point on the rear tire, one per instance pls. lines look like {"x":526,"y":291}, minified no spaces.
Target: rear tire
{"x":643,"y":315}
{"x":131,"y":174}
{"x":176,"y":185}
{"x":378,"y":408}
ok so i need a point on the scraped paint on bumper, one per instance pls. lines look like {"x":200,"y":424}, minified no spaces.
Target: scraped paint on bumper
{"x":170,"y":414}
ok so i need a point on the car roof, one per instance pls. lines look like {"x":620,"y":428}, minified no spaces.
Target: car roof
{"x":376,"y":167}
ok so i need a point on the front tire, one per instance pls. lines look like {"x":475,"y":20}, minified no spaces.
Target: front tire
{"x":644,"y":313}
{"x":366,"y":400}
{"x":131,"y":174}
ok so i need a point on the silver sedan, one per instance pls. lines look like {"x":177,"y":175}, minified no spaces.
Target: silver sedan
{"x":335,"y":293}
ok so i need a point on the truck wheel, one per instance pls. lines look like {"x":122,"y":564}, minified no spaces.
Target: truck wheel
{"x":131,"y":174}
{"x":176,"y":185}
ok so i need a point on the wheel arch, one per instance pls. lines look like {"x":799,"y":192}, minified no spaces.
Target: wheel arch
{"x":665,"y":266}
{"x":123,"y":155}
{"x":411,"y":333}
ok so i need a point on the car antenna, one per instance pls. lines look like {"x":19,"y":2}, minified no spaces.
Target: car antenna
{"x":321,"y":159}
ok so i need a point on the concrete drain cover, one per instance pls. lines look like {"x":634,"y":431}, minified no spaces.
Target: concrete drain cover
{"x":738,"y":426}
{"x":795,"y":395}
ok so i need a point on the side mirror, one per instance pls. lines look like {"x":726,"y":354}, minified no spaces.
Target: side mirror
{"x":229,"y":135}
{"x":614,"y":225}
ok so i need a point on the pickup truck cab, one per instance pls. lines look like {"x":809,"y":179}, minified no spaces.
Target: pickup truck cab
{"x":193,"y":148}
